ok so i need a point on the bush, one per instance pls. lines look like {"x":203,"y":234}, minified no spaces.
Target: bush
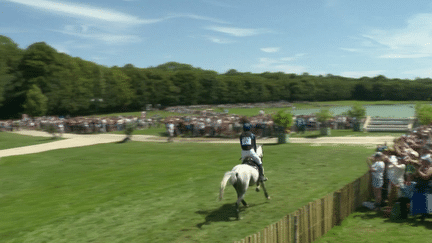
{"x":283,"y":119}
{"x":51,"y":129}
{"x":424,"y":114}
{"x":130,"y":128}
{"x":357,"y":111}
{"x":323,"y":116}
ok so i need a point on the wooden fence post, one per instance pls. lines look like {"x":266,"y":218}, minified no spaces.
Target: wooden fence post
{"x":351,"y":198}
{"x":357,"y":201}
{"x":290,"y":227}
{"x":296,"y":227}
{"x":336,"y":208}
{"x":304,"y":225}
{"x":265,"y":235}
{"x":311,"y":221}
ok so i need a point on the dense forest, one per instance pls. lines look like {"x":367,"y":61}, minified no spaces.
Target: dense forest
{"x":41,"y":81}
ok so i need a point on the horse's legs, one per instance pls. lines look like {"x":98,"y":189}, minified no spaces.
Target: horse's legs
{"x":244,"y":203}
{"x":238,"y":210}
{"x":265,"y":190}
{"x":240,"y":194}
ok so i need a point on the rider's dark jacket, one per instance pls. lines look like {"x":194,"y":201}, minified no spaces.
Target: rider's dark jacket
{"x":248,"y":141}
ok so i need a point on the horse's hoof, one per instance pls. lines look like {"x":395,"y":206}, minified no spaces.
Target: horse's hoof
{"x":257,"y":189}
{"x":268,"y":198}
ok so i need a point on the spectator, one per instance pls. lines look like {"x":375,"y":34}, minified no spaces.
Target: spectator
{"x":396,"y":176}
{"x":406,"y":194}
{"x":376,"y":167}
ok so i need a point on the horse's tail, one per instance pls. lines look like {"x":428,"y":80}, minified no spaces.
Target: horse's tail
{"x":232,"y":177}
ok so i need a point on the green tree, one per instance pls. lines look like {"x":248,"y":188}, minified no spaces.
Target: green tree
{"x":188,"y":87}
{"x":119,"y":91}
{"x":324,"y":116}
{"x":357,"y":111}
{"x":36,"y":102}
{"x":424,"y":114}
{"x":283,"y":119}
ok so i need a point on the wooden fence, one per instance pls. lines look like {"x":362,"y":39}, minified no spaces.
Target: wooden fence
{"x":315,"y":219}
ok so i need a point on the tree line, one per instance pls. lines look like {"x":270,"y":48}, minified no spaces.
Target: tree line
{"x":40,"y":81}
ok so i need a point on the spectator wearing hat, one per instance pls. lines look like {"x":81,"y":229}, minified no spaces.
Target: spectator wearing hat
{"x":376,"y":167}
{"x":170,"y":129}
{"x":396,"y":177}
{"x":425,"y":170}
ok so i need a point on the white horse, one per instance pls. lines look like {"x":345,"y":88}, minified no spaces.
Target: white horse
{"x":241,"y":177}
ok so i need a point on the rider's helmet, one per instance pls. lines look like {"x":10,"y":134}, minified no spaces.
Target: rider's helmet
{"x":247,"y":127}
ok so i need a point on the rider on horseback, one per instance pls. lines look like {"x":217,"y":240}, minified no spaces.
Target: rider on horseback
{"x":248,"y":145}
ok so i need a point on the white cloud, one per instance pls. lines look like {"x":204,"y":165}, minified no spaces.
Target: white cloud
{"x":277,"y":65}
{"x":331,"y":3}
{"x":108,"y":15}
{"x":411,"y":41}
{"x":219,"y":40}
{"x":197,"y":17}
{"x":351,"y":49}
{"x":359,"y":74}
{"x":10,"y":30}
{"x":217,"y":3}
{"x":238,"y":32}
{"x":270,"y":49}
{"x":422,"y":72}
{"x":295,"y":57}
{"x":398,"y":55}
{"x":84,"y":11}
{"x":108,"y":38}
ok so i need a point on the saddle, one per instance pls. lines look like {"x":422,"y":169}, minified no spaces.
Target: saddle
{"x":249,"y":161}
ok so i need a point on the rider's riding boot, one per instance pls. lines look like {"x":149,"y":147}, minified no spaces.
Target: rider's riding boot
{"x":261,"y":175}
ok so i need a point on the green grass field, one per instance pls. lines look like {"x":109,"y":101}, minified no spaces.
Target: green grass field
{"x":368,"y":226}
{"x":345,"y":133}
{"x":149,"y":192}
{"x":11,"y":140}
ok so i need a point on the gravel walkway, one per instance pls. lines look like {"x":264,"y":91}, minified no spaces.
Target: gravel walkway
{"x":76,"y":140}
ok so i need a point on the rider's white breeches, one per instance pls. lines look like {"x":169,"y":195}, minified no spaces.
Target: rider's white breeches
{"x":250,"y":153}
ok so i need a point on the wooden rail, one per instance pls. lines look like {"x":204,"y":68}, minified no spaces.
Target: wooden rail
{"x":315,"y":219}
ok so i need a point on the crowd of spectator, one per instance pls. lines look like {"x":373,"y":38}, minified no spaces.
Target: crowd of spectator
{"x":402,"y":174}
{"x":310,"y":122}
{"x":195,"y":122}
{"x":219,"y":125}
{"x":81,"y":125}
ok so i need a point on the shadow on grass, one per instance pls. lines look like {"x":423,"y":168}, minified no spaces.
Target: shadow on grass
{"x":126,"y":139}
{"x":50,"y":139}
{"x":225,"y":213}
{"x":414,"y":221}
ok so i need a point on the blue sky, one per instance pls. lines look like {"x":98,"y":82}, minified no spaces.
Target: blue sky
{"x":340,"y":37}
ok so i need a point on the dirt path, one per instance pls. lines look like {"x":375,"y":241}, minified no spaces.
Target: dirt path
{"x":77,"y":140}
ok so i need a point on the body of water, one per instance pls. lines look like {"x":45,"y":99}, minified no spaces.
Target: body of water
{"x":397,"y":111}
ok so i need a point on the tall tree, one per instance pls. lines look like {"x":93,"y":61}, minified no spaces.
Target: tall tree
{"x":36,"y":103}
